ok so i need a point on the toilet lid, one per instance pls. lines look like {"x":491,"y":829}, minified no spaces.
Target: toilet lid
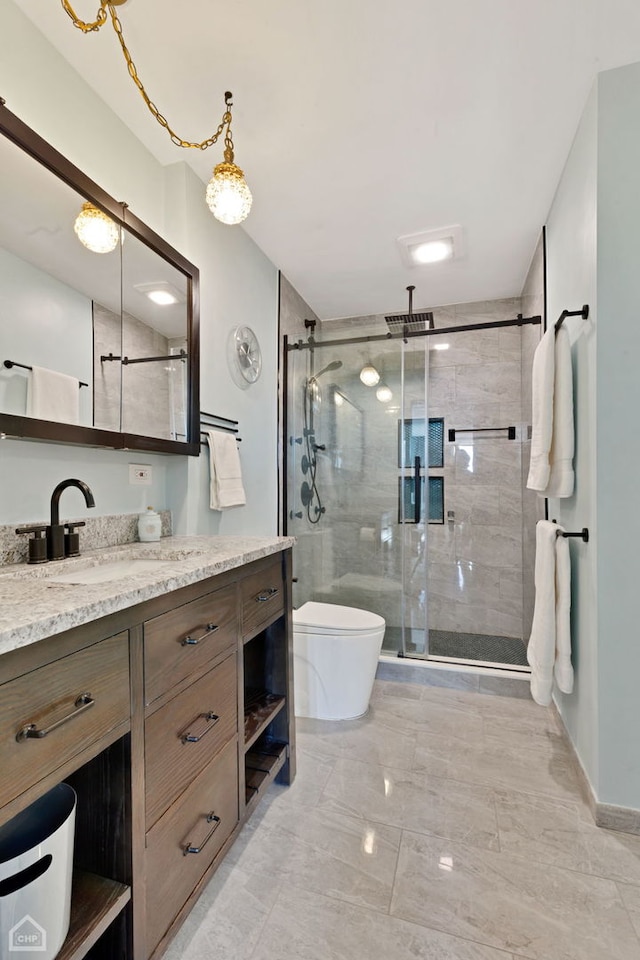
{"x":331,"y":618}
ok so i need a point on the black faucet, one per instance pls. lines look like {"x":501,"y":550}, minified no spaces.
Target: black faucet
{"x":60,"y":544}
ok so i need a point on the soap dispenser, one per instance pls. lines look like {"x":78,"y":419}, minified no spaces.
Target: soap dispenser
{"x":149,"y":525}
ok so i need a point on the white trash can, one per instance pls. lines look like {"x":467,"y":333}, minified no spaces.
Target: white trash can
{"x":36,"y":865}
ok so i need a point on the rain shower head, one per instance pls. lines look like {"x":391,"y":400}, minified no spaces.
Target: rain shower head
{"x":411,"y":322}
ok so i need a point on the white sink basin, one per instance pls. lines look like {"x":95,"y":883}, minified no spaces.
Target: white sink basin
{"x":113,"y":570}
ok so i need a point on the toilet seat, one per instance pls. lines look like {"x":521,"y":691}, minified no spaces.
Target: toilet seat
{"x":331,"y":618}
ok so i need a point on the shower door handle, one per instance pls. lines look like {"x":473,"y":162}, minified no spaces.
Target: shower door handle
{"x":417,"y":490}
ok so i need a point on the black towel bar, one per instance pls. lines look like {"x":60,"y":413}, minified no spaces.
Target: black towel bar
{"x":12,"y":363}
{"x":583,"y":534}
{"x":584,"y":313}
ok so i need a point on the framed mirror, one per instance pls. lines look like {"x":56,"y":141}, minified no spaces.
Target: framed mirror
{"x":96,"y":348}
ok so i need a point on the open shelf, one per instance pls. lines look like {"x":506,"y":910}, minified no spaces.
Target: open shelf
{"x":95,"y":903}
{"x":262,"y":765}
{"x":259,"y":710}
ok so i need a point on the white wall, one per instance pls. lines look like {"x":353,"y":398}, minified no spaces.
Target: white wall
{"x":571,"y":282}
{"x":593,"y":258}
{"x":618,"y":402}
{"x":45,"y":323}
{"x":238,"y":287}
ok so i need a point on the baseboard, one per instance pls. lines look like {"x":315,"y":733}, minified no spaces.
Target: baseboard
{"x":606,"y":815}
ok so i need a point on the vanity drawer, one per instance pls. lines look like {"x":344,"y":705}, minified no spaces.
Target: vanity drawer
{"x":64,"y":707}
{"x":262,"y":598}
{"x":184,"y":640}
{"x":186,"y":733}
{"x":172,"y":873}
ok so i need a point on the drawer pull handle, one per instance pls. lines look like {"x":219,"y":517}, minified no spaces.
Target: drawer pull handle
{"x":190,"y":848}
{"x":32,"y":732}
{"x":190,"y":641}
{"x":267,"y":594}
{"x":187,"y":737}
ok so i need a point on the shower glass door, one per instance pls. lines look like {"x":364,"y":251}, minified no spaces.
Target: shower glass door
{"x":358,"y":497}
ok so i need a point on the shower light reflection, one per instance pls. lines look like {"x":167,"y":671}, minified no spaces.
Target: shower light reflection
{"x":369,"y":842}
{"x":388,"y":787}
{"x":467,"y":450}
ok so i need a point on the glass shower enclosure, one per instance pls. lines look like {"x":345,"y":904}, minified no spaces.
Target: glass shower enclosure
{"x":404,"y":460}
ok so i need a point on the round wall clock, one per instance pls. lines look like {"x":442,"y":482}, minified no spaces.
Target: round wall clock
{"x":245,"y":354}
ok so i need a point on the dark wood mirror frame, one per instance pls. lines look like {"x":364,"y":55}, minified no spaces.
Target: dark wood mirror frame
{"x":28,"y":428}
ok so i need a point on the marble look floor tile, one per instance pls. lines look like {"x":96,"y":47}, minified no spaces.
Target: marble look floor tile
{"x":304,"y":926}
{"x":445,"y":808}
{"x":537,"y":765}
{"x":312,"y":774}
{"x":560,"y":833}
{"x":631,"y":899}
{"x":344,"y":857}
{"x":357,"y":740}
{"x":438,"y":717}
{"x":532,"y":910}
{"x":227,"y":920}
{"x":389,"y":688}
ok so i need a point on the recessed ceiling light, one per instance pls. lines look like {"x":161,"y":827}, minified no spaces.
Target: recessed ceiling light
{"x":162,"y":297}
{"x":162,"y":292}
{"x":433,"y":251}
{"x":431,"y":246}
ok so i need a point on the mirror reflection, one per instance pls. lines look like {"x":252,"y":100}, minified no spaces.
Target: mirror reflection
{"x":113,"y":324}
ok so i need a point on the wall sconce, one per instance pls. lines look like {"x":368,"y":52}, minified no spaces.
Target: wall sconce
{"x":228,"y":195}
{"x":96,"y":230}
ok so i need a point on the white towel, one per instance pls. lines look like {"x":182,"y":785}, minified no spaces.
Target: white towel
{"x":226,"y":474}
{"x":549,"y":649}
{"x":552,"y":438}
{"x":53,"y":396}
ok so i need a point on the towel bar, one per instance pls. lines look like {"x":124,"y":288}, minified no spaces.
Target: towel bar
{"x":584,"y":313}
{"x":12,"y":363}
{"x":583,"y":534}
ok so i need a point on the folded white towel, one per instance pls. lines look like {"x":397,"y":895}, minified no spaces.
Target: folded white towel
{"x":53,"y":396}
{"x":552,"y":438}
{"x":549,"y":649}
{"x":226,"y":489}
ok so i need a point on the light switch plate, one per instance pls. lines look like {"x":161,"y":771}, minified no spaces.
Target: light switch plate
{"x":140,"y":474}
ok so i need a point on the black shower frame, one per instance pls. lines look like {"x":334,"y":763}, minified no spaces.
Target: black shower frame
{"x":312,"y":344}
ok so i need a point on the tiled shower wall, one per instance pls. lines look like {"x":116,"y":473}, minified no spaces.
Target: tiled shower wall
{"x":475,"y":558}
{"x":469,"y":571}
{"x":145,"y":387}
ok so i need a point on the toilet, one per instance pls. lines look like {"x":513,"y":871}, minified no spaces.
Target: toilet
{"x":336,"y":652}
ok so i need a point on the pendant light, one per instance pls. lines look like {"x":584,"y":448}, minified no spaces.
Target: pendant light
{"x":96,"y":230}
{"x":227,"y":195}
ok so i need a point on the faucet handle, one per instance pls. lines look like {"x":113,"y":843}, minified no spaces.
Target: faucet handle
{"x":37,"y":543}
{"x":71,"y":538}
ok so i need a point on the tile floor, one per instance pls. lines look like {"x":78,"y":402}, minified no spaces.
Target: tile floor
{"x":447,"y":824}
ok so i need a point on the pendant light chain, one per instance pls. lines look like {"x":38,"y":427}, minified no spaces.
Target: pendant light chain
{"x":101,"y":19}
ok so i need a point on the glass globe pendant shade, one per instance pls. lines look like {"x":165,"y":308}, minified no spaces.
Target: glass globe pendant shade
{"x":95,"y":230}
{"x":383,"y":393}
{"x":228,"y":195}
{"x":369,"y":375}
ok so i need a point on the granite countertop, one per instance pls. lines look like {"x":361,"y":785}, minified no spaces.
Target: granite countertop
{"x":32,"y":607}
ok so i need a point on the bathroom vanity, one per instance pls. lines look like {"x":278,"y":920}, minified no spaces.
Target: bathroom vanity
{"x":165,"y":698}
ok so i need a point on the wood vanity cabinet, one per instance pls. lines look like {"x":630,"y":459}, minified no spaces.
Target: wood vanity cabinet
{"x":191,"y":718}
